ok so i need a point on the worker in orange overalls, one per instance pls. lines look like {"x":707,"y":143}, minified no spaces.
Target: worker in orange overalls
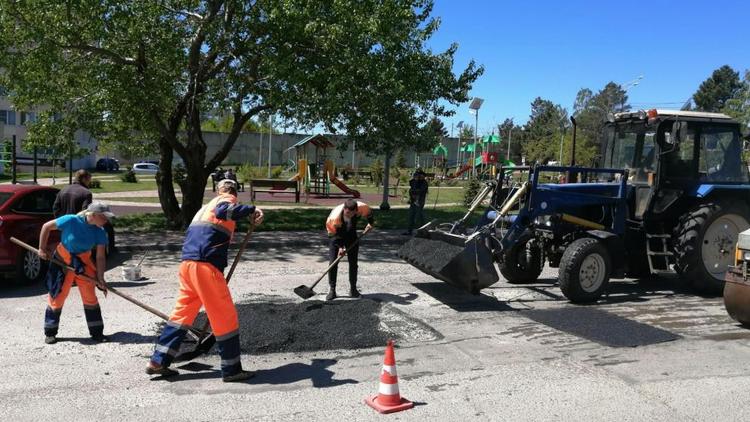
{"x":341,"y":226}
{"x":80,"y":234}
{"x":202,"y":283}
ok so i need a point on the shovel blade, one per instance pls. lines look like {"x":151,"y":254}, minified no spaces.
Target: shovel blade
{"x":204,"y":346}
{"x":304,"y":292}
{"x":448,"y":257}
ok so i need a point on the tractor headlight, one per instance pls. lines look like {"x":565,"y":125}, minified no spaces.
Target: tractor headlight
{"x":543,"y":220}
{"x":746,"y":255}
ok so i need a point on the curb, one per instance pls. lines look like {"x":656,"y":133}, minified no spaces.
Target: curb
{"x":263,"y":240}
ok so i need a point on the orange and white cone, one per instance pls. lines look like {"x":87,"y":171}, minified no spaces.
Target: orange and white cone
{"x":388,"y":399}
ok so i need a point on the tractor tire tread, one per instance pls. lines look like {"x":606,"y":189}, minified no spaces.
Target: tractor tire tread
{"x":569,"y":270}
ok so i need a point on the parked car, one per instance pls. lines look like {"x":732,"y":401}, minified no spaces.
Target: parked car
{"x":23,"y":211}
{"x":145,"y":168}
{"x":107,"y":164}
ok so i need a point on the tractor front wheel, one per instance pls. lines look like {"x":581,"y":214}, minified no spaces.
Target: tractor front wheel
{"x":704,"y":243}
{"x":524,"y":262}
{"x":584,"y":270}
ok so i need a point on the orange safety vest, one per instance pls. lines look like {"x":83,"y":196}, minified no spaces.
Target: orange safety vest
{"x":335,"y":219}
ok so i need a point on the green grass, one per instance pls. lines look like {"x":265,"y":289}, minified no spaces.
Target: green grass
{"x":296,"y":219}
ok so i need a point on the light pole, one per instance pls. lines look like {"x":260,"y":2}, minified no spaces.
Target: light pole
{"x":270,"y":132}
{"x":510,"y":137}
{"x":475,"y":105}
{"x":460,"y":127}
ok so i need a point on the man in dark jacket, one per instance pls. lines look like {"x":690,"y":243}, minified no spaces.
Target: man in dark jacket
{"x":417,"y":195}
{"x":73,"y":198}
{"x":341,"y":226}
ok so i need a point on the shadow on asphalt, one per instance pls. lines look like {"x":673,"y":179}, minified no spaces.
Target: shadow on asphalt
{"x":461,"y":301}
{"x":120,"y":337}
{"x":402,"y":299}
{"x":10,"y":289}
{"x":317,"y":372}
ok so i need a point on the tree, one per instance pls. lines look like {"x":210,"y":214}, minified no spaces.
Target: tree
{"x":713,"y":94}
{"x":543,"y":131}
{"x":155,"y":68}
{"x":591,"y":112}
{"x":513,"y":134}
{"x":739,"y":106}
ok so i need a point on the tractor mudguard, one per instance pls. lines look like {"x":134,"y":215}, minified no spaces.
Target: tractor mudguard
{"x":616,"y":248}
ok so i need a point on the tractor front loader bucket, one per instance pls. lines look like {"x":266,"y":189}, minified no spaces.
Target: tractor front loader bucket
{"x":449,"y":257}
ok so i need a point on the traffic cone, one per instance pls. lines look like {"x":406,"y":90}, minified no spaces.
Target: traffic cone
{"x":388,"y":399}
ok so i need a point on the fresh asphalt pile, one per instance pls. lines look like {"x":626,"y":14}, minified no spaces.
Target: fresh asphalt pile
{"x":432,"y":255}
{"x":276,"y":326}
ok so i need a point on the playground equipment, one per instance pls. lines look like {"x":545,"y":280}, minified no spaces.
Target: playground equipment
{"x":671,"y":196}
{"x":315,"y":171}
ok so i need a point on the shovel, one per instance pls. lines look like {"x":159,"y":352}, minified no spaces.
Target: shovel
{"x":307,"y":292}
{"x":206,"y":342}
{"x":194,"y":331}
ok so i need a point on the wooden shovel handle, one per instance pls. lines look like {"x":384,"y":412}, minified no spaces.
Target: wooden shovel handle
{"x":111,"y":289}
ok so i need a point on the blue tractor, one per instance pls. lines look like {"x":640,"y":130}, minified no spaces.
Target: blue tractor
{"x":671,"y":194}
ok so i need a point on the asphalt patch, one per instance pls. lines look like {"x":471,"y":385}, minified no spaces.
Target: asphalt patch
{"x":313,"y":325}
{"x":429,"y":255}
{"x":600,"y":326}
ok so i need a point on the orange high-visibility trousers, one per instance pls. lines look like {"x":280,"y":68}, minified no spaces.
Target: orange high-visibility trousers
{"x":87,"y":289}
{"x":91,"y":308}
{"x":201,"y":283}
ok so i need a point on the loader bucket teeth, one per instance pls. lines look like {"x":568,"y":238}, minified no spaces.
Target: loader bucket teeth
{"x":468,"y":266}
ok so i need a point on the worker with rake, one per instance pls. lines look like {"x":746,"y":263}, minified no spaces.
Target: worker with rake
{"x":202,"y":283}
{"x":80,"y":234}
{"x":341,"y":226}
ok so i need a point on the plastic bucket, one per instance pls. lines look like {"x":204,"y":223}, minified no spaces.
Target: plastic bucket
{"x":131,"y":272}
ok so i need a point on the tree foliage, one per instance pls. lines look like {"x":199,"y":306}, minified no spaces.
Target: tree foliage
{"x":712,"y":95}
{"x":739,"y":105}
{"x":155,"y":68}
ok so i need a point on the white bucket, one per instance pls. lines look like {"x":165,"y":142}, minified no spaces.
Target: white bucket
{"x":131,"y":272}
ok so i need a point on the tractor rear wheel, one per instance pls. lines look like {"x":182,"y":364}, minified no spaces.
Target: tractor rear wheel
{"x":585,"y":268}
{"x":524,"y":261}
{"x":704,"y":243}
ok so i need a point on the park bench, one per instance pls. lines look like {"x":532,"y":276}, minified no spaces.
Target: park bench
{"x":349,"y":173}
{"x":274,"y":186}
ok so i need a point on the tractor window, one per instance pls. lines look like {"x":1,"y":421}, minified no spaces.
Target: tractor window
{"x":721,"y":155}
{"x":680,"y":161}
{"x":647,"y":160}
{"x":623,"y":150}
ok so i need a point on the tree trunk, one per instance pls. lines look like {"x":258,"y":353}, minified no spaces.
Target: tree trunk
{"x":167,"y":197}
{"x":192,"y":196}
{"x":385,"y":206}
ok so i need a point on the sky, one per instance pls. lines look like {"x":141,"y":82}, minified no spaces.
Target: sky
{"x":552,"y":49}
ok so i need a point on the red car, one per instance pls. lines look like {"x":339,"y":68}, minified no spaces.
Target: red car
{"x":23,"y":211}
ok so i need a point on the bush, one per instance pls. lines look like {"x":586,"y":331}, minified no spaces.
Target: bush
{"x":95,"y":184}
{"x":246,"y":172}
{"x":471,"y":191}
{"x":129,"y":176}
{"x":276,"y":172}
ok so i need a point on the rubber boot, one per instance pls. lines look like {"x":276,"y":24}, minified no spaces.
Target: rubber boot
{"x":331,"y":292}
{"x":353,"y":292}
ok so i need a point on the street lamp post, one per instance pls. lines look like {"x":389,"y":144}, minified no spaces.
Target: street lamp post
{"x":460,"y":127}
{"x":475,"y":105}
{"x":510,"y":136}
{"x":270,"y":132}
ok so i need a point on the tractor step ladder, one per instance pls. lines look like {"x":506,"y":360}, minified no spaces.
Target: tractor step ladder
{"x":662,"y":252}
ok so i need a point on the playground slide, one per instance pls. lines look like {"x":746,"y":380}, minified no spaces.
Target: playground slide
{"x":343,"y":187}
{"x":461,"y":171}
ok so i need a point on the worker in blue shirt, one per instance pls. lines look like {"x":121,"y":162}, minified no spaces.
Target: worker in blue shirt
{"x":80,"y":234}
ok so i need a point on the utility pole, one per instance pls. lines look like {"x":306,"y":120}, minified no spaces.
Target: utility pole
{"x":475,"y":105}
{"x":270,"y":132}
{"x":510,"y":136}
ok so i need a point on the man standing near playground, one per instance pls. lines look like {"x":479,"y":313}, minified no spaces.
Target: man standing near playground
{"x":202,"y":283}
{"x":341,"y":226}
{"x":417,"y":195}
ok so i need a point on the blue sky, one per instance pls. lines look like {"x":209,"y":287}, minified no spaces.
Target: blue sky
{"x":551,"y":49}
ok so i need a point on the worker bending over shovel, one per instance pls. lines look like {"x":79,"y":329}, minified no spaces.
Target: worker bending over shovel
{"x":202,"y":283}
{"x":341,"y":226}
{"x":80,"y":234}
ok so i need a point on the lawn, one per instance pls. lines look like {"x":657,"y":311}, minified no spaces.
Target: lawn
{"x":296,"y":219}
